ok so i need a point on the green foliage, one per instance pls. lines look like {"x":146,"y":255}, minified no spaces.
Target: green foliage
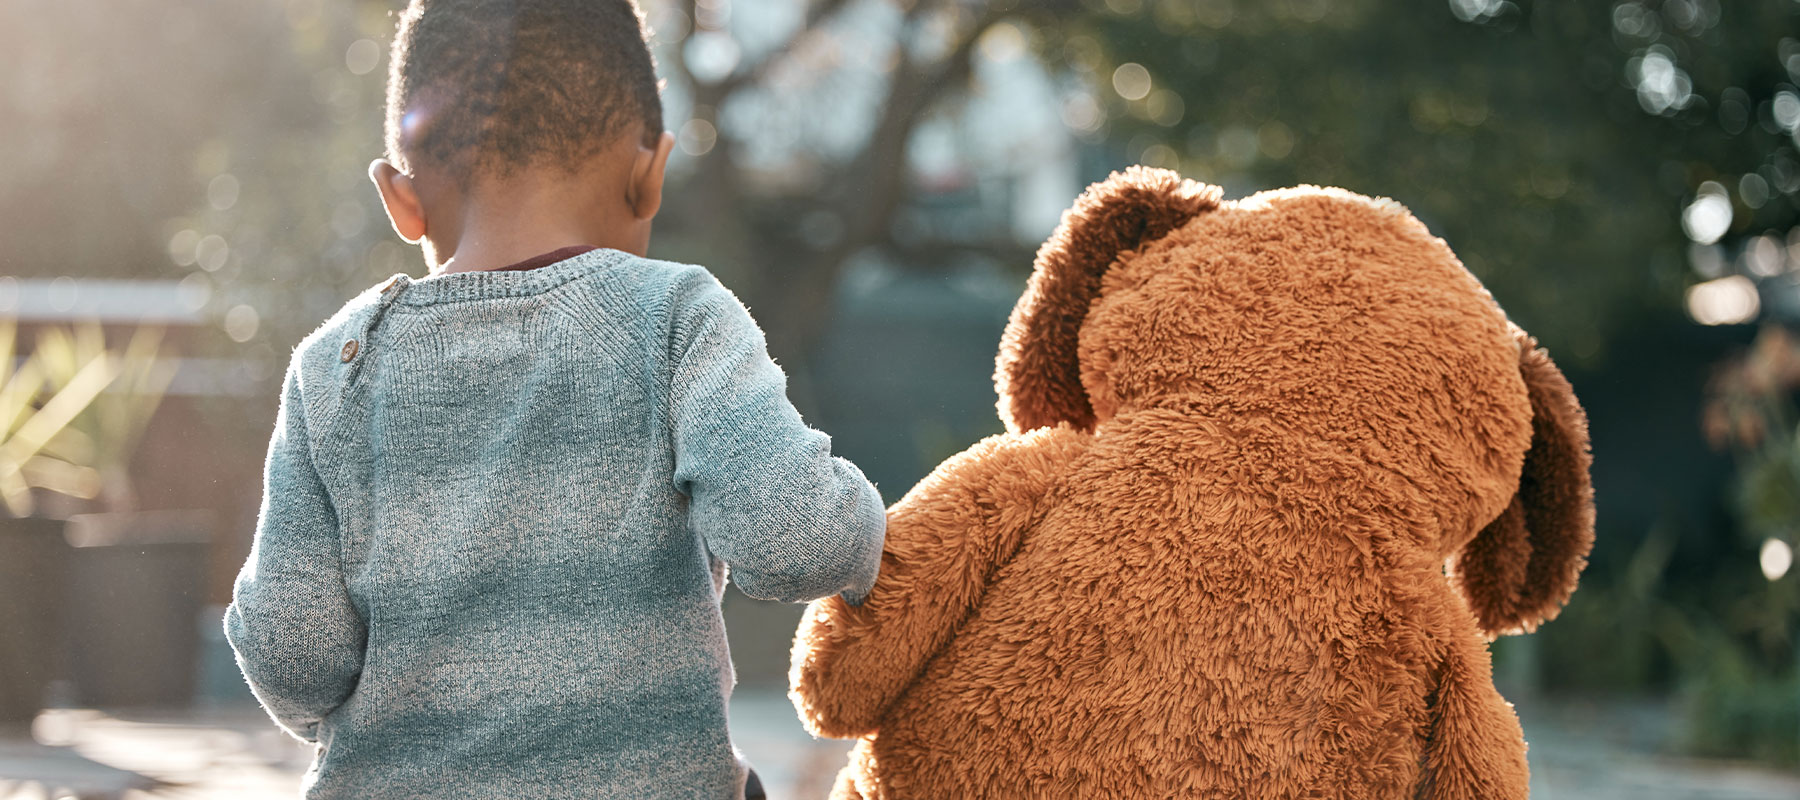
{"x":1738,"y":711}
{"x":1619,"y":633}
{"x":1525,"y":135}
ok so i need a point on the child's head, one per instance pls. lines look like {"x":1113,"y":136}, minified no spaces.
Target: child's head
{"x":489,"y":100}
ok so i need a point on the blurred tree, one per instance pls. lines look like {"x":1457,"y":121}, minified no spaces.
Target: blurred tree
{"x":800,"y":124}
{"x":1554,"y":145}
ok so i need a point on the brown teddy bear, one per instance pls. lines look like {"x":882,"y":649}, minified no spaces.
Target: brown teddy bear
{"x":1273,"y":468}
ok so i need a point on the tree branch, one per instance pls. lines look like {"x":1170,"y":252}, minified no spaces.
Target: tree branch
{"x":881,"y":167}
{"x":816,"y":14}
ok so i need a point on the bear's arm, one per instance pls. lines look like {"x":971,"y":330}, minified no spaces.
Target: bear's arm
{"x":1474,"y":749}
{"x":946,"y":539}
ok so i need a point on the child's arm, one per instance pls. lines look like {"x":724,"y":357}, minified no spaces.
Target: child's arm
{"x":298,"y":640}
{"x":765,"y":493}
{"x":946,"y":539}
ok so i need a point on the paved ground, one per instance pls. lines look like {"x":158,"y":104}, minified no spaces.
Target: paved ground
{"x":1580,"y":751}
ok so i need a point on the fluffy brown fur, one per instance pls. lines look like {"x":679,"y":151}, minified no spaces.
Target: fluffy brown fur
{"x":1212,"y":563}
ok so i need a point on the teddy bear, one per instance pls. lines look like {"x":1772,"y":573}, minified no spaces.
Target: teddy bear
{"x":1274,"y":472}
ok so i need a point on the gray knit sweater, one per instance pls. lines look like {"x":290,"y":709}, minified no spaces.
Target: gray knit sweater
{"x":497,"y":519}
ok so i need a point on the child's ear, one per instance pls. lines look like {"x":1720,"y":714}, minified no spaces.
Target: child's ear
{"x":401,"y":199}
{"x":644,"y":193}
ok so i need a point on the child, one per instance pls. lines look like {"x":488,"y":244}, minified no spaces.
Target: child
{"x":501,"y":500}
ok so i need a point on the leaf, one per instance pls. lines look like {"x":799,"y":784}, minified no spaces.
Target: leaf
{"x":71,"y":444}
{"x":9,"y":332}
{"x":17,"y":393}
{"x":56,"y":352}
{"x":62,"y":477}
{"x":57,"y":412}
{"x":15,"y":493}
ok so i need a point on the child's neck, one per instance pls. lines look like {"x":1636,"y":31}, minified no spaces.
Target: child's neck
{"x":508,"y":221}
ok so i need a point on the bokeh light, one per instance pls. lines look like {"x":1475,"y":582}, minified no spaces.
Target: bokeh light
{"x":697,"y":137}
{"x":1165,"y":108}
{"x":1765,"y":257}
{"x":196,"y":291}
{"x":183,"y":245}
{"x":222,"y":191}
{"x":1726,"y":301}
{"x":1131,"y":81}
{"x":711,"y":55}
{"x":1475,"y":10}
{"x":1775,"y":558}
{"x":1708,"y":217}
{"x":242,"y":322}
{"x":1002,"y":43}
{"x":362,"y":56}
{"x":1081,"y":113}
{"x":211,"y":252}
{"x":1662,"y":87}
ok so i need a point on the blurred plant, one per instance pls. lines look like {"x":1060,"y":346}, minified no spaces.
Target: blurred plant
{"x":61,"y":429}
{"x":1738,"y":708}
{"x":1747,"y":686}
{"x":109,"y":428}
{"x":35,"y":448}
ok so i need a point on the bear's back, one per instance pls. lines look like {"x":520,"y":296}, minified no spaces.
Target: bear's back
{"x":1203,"y":605}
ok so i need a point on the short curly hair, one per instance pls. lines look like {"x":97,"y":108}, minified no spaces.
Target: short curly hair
{"x":489,"y":86}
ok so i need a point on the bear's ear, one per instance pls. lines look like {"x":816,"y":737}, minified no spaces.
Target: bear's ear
{"x":1037,"y":374}
{"x":1520,"y":569}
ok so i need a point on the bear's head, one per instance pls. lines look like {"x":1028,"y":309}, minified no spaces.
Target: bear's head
{"x":1331,"y":315}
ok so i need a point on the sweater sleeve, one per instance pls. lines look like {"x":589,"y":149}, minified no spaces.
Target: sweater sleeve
{"x":766,"y":495}
{"x":298,"y":639}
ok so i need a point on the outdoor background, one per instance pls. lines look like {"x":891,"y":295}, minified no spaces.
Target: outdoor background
{"x":872,"y":177}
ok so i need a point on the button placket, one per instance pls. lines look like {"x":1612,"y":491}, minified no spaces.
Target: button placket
{"x":358,"y":346}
